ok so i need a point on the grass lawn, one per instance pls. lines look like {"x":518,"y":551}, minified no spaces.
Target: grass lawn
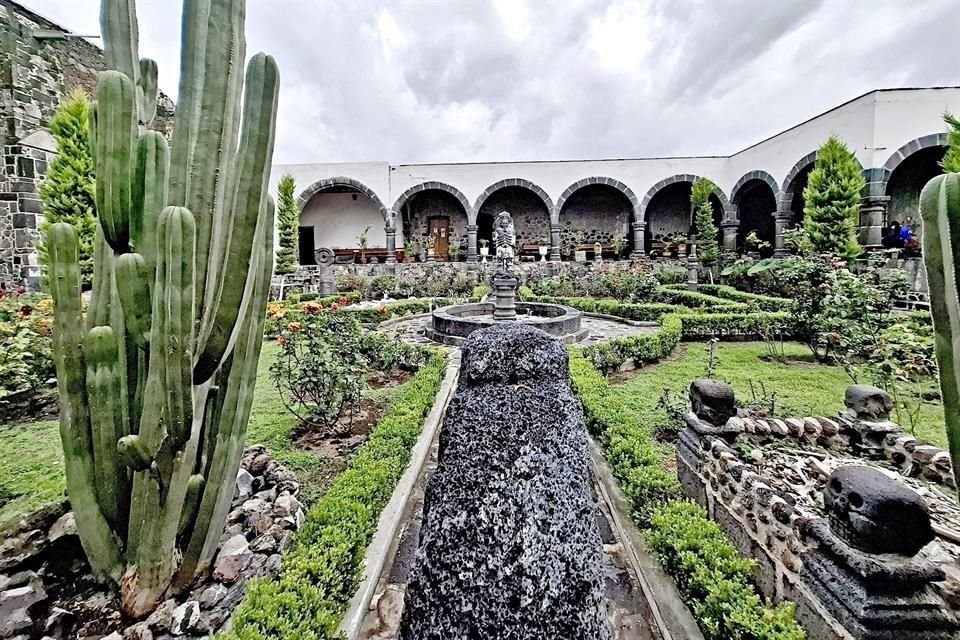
{"x":802,"y":386}
{"x":31,"y":460}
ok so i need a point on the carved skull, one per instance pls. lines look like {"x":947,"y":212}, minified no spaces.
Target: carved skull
{"x":875,"y":513}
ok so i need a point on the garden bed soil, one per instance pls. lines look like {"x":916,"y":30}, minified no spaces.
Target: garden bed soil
{"x":29,"y":405}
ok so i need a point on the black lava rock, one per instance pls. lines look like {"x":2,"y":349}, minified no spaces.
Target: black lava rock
{"x":509,"y":547}
{"x":712,"y":401}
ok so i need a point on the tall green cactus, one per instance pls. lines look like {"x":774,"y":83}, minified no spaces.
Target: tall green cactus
{"x":940,"y":210}
{"x":156,"y":385}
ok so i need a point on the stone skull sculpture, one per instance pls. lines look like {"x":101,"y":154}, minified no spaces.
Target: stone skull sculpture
{"x":872,"y":512}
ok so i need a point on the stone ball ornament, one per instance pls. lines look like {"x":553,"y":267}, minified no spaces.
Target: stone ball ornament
{"x":874,"y":513}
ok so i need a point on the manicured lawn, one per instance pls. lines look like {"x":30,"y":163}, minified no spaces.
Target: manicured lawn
{"x":801,"y":386}
{"x":31,"y":461}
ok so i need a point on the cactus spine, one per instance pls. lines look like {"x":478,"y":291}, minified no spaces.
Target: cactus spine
{"x":156,"y":385}
{"x":940,"y":210}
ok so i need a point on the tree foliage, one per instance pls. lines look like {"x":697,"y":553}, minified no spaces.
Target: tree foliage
{"x":288,"y":219}
{"x":69,"y":189}
{"x":951,"y":161}
{"x":708,"y":250}
{"x":832,"y":197}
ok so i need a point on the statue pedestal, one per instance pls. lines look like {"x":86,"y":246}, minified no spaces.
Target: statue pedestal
{"x":505,"y":294}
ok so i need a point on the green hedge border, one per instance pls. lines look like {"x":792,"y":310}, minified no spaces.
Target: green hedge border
{"x":767,"y":303}
{"x":715,"y":581}
{"x":321,"y":572}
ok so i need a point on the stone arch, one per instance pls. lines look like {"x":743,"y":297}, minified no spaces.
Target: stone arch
{"x":756,"y":174}
{"x":790,"y":181}
{"x":341,"y":181}
{"x":512,"y":182}
{"x":610,"y":182}
{"x":426,"y":186}
{"x":680,"y":177}
{"x":907,"y":150}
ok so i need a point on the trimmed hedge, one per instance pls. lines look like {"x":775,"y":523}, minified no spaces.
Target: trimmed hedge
{"x":321,"y":572}
{"x":639,"y":462}
{"x":648,"y":312}
{"x":701,"y":326}
{"x":351,"y":296}
{"x":672,"y":294}
{"x":714,"y":579}
{"x":767,"y":303}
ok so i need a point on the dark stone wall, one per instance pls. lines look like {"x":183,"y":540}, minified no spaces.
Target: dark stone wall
{"x":906,"y":182}
{"x":35,"y":75}
{"x":755,"y":210}
{"x":595,"y":213}
{"x":531,"y":219}
{"x":435,"y":203}
{"x":509,"y":548}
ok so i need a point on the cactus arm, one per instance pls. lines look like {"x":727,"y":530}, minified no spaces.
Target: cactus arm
{"x":940,"y":211}
{"x":216,"y":142}
{"x":104,"y":393}
{"x":150,"y":196}
{"x":118,"y":24}
{"x":234,"y":416}
{"x":133,"y":289}
{"x":186,"y":118}
{"x":149,"y":89}
{"x":99,"y":541}
{"x":92,"y":131}
{"x":116,"y":144}
{"x":229,"y":297}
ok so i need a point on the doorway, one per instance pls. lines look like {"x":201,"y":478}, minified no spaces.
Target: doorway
{"x":440,"y":232}
{"x":307,"y":246}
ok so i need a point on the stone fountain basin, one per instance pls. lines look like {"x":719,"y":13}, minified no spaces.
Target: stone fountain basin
{"x":451,"y":325}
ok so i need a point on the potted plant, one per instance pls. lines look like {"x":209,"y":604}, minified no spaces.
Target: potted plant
{"x":580,"y":255}
{"x":362,"y":241}
{"x":752,"y":241}
{"x":484,"y":249}
{"x":431,"y":244}
{"x":619,"y":243}
{"x":544,"y":250}
{"x":409,"y":250}
{"x":453,"y":251}
{"x":681,"y":241}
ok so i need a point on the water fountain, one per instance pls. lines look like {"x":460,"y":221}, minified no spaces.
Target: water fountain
{"x":452,"y":324}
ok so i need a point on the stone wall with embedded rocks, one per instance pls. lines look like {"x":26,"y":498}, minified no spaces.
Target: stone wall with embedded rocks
{"x":46,"y":590}
{"x":595,"y":213}
{"x":35,"y":74}
{"x":764,"y":480}
{"x":531,"y":219}
{"x":509,"y":546}
{"x":436,"y":204}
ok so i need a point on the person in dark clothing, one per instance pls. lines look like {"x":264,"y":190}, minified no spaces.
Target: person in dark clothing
{"x":891,"y":239}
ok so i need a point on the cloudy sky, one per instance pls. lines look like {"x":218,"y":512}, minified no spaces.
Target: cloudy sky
{"x":469,"y":80}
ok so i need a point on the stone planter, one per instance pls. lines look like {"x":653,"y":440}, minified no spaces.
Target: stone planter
{"x":543,"y":253}
{"x":580,"y":256}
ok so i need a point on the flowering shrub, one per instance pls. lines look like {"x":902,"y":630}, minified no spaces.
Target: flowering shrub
{"x":324,"y":360}
{"x":26,"y":360}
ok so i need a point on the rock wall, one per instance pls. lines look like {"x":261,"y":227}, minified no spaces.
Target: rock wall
{"x":35,"y":74}
{"x":509,"y":548}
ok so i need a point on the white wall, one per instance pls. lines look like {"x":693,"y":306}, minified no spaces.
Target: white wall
{"x":337,"y":219}
{"x":874,"y":126}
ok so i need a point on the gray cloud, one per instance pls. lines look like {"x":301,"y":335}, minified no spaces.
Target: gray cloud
{"x":515,"y":80}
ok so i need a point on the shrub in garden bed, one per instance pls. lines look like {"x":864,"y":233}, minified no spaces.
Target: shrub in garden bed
{"x":26,"y":359}
{"x":714,"y":579}
{"x":765,"y":303}
{"x":324,"y":360}
{"x":320,"y":573}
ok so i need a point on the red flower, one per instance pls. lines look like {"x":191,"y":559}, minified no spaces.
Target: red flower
{"x":294,"y":326}
{"x":281,"y":340}
{"x":382,"y":309}
{"x":21,"y":290}
{"x":344,"y":300}
{"x":334,"y":306}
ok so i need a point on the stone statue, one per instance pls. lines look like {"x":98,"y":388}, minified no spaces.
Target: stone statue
{"x":505,"y":241}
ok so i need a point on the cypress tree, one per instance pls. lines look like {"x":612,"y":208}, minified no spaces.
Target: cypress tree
{"x":951,"y":161}
{"x":832,"y":201}
{"x":68,"y":191}
{"x":288,"y":220}
{"x":708,"y":250}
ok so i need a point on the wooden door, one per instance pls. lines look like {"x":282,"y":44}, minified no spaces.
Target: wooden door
{"x":440,"y":230}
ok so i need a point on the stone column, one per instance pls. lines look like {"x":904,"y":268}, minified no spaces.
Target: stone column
{"x":554,"y":242}
{"x":873,"y":216}
{"x":729,"y":229}
{"x":471,"y":244}
{"x":391,"y":244}
{"x":638,"y":228}
{"x":693,"y":267}
{"x":781,"y":220}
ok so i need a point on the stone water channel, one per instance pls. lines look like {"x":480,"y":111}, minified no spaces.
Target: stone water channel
{"x":640,"y":601}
